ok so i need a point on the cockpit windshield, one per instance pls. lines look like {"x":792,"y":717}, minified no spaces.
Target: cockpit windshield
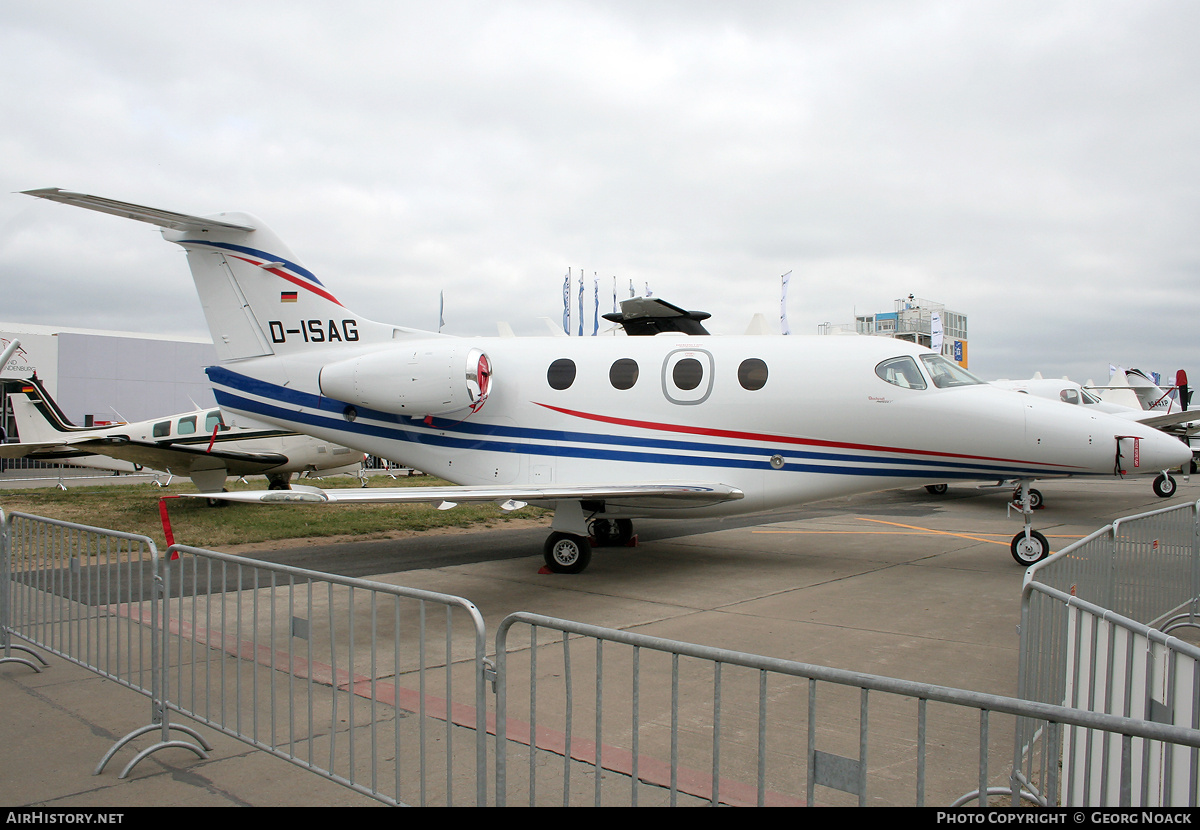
{"x":902,"y":372}
{"x":945,"y":373}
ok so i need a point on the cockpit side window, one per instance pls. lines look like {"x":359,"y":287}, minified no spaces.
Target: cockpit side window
{"x":902,"y":372}
{"x":946,"y":374}
{"x":1069,"y":395}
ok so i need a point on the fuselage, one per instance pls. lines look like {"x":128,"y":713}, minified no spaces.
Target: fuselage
{"x":784,"y":419}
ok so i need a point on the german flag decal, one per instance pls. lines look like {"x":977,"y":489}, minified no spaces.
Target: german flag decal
{"x":287,"y":296}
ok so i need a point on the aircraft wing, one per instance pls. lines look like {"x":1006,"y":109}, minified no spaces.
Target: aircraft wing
{"x":642,"y":495}
{"x":1170,"y":419}
{"x":41,"y":450}
{"x":183,"y":459}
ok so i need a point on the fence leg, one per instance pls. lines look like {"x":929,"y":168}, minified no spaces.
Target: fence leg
{"x":8,"y":658}
{"x":166,"y":728}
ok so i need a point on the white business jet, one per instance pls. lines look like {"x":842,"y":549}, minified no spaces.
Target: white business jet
{"x":608,"y":429}
{"x":199,"y":445}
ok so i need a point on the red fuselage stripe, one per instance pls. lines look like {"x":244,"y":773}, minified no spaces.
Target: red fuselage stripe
{"x":781,"y":439}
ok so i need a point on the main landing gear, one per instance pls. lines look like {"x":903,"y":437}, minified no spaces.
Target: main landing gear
{"x":1028,"y":546}
{"x":569,"y":552}
{"x":1036,"y":502}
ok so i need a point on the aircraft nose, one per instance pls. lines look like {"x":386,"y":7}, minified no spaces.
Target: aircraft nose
{"x":1159,"y":451}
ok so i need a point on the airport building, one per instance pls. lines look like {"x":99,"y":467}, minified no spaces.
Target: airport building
{"x":107,"y":376}
{"x":913,"y":319}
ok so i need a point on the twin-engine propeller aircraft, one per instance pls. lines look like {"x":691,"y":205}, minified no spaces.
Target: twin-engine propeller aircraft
{"x":199,"y":445}
{"x":608,"y":429}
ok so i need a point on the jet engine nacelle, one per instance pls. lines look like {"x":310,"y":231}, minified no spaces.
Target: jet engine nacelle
{"x":430,"y":379}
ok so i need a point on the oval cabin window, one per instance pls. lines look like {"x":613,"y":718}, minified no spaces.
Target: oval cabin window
{"x":623,"y":374}
{"x":687,"y":373}
{"x":561,"y":373}
{"x":752,"y":374}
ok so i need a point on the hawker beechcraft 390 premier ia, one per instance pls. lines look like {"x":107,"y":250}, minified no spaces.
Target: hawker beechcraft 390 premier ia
{"x":608,"y":429}
{"x":199,"y":445}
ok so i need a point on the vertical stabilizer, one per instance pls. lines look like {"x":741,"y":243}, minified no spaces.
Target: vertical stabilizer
{"x":38,"y":418}
{"x":257,"y":297}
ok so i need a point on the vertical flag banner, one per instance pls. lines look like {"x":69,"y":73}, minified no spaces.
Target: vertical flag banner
{"x":596,"y":310}
{"x":935,"y":332}
{"x":614,"y":295}
{"x":783,"y":321}
{"x":567,"y":302}
{"x":441,"y":310}
{"x":648,"y":292}
{"x":581,"y":302}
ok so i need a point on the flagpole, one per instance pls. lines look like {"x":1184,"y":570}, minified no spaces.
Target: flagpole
{"x":567,"y":303}
{"x":783,"y":321}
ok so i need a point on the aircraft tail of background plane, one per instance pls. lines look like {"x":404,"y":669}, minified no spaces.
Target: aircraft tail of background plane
{"x":39,"y":420}
{"x":257,"y":297}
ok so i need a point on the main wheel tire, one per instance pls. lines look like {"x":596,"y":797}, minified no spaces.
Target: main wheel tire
{"x":937,"y":489}
{"x":611,"y":532}
{"x":566,"y":553}
{"x":1164,"y":486}
{"x":1029,"y":549}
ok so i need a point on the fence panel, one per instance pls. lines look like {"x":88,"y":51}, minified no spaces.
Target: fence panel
{"x":1088,"y":639}
{"x":378,"y":687}
{"x":1145,"y":567}
{"x":75,"y":590}
{"x":588,"y":716}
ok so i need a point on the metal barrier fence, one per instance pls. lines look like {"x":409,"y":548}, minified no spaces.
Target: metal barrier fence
{"x":1107,"y":663}
{"x":645,"y":721}
{"x":344,"y":677}
{"x":1145,"y":567}
{"x":384,"y":689}
{"x":75,"y":591}
{"x":1093,"y":623}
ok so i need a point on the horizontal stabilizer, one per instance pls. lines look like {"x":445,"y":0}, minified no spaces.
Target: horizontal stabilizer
{"x":154,"y":216}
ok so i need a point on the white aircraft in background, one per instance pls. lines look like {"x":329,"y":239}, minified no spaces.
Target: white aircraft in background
{"x":199,"y":445}
{"x":1135,"y":389}
{"x":608,"y":429}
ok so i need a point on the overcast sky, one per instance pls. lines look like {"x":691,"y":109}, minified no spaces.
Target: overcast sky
{"x":1030,"y":164}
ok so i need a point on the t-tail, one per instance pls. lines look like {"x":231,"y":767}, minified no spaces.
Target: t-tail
{"x":38,"y":416}
{"x":257,"y":298}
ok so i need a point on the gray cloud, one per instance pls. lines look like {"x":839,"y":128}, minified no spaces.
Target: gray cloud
{"x":1029,"y":164}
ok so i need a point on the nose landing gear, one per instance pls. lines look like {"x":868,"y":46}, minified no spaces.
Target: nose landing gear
{"x":1028,"y":546}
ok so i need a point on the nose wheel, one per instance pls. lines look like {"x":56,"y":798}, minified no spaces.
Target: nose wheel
{"x":1164,"y":486}
{"x":1028,"y":546}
